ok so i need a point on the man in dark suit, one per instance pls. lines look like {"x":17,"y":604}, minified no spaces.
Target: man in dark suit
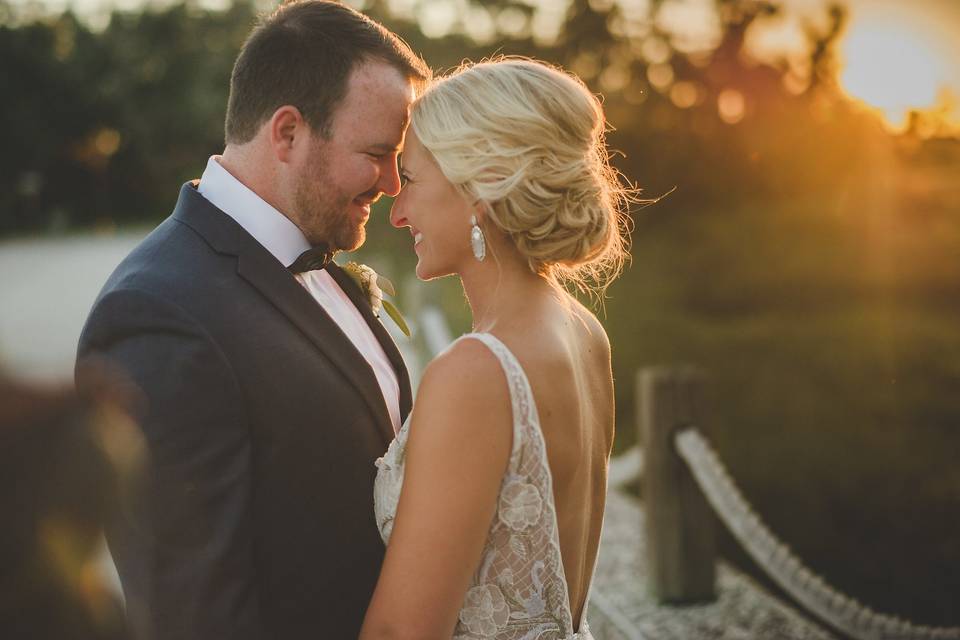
{"x":270,"y":388}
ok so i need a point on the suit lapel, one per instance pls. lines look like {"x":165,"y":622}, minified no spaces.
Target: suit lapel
{"x":359,"y":300}
{"x":258,"y":267}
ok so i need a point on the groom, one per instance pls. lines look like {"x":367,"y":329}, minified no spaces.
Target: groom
{"x":269,"y":386}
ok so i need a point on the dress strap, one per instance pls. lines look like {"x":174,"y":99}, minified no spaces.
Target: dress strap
{"x":521,"y":396}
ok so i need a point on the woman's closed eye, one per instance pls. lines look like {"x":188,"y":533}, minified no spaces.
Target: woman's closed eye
{"x":404,"y":178}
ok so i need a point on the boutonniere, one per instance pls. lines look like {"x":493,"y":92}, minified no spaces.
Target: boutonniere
{"x":374,"y":286}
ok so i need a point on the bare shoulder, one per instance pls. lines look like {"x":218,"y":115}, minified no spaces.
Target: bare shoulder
{"x":595,"y":336}
{"x":463,"y":392}
{"x":468,"y":371}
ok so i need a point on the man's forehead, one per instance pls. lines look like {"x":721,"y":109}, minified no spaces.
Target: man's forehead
{"x":377,"y":104}
{"x":376,"y":75}
{"x":383,"y":135}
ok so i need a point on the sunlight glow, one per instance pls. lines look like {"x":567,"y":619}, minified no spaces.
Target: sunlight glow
{"x":893,"y":68}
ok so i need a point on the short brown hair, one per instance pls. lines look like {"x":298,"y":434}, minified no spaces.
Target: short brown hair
{"x":302,"y":54}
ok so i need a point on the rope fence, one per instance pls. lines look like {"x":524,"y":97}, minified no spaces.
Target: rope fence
{"x":776,"y":558}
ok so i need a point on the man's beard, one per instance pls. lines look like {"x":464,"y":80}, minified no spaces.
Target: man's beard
{"x":325,"y":216}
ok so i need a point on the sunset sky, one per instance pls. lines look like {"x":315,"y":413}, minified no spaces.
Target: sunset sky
{"x":898,"y":55}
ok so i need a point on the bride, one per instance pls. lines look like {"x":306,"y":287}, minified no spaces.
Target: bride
{"x":503,"y":463}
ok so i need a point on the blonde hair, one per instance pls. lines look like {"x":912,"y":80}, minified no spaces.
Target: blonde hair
{"x":527,"y":141}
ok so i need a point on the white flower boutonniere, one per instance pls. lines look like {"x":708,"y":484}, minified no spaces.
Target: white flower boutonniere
{"x":374,"y":286}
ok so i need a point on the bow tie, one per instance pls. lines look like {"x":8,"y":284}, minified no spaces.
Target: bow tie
{"x":312,"y":259}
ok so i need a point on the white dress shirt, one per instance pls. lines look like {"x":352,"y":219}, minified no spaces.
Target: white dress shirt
{"x":286,"y":242}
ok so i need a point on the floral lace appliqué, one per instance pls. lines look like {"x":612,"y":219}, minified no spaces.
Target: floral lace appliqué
{"x":520,"y":505}
{"x":485,"y":610}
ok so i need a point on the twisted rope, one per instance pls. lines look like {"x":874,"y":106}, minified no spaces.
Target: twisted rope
{"x":776,"y":558}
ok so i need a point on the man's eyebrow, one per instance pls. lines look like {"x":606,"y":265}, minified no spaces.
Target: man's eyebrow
{"x":385,"y":147}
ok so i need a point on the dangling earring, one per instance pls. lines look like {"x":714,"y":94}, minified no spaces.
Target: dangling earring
{"x":477,"y":241}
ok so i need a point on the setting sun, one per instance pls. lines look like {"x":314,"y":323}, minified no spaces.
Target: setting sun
{"x":892,"y":67}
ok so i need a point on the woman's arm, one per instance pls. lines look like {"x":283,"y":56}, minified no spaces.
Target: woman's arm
{"x":457,"y":452}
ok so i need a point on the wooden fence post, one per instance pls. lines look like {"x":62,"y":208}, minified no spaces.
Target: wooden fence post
{"x":681,"y":541}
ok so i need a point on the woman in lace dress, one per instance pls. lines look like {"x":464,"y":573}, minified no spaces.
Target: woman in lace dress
{"x":503,"y":463}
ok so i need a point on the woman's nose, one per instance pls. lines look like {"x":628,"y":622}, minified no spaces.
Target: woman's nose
{"x":397,"y":218}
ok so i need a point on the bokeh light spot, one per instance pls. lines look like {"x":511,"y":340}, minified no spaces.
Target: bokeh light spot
{"x":655,"y":51}
{"x":615,"y":78}
{"x":684,"y":94}
{"x":731,"y":106}
{"x":437,"y":18}
{"x":107,"y":141}
{"x":660,"y":76}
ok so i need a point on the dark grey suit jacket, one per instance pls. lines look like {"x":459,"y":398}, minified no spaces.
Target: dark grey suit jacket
{"x":254,"y":518}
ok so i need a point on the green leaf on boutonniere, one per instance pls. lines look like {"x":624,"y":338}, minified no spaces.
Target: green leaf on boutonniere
{"x":394,"y":313}
{"x":374,"y":286}
{"x":386,"y":286}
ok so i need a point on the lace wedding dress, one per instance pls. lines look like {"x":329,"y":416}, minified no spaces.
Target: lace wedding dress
{"x":519,"y":591}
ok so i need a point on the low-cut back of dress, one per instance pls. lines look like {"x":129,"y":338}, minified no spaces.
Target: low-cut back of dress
{"x":519,"y":590}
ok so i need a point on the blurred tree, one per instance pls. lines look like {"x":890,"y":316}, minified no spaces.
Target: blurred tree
{"x":48,"y":126}
{"x":104,"y":123}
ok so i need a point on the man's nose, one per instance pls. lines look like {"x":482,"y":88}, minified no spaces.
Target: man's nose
{"x":389,"y":182}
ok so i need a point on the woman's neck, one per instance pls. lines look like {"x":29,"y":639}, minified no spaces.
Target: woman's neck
{"x":503,"y":291}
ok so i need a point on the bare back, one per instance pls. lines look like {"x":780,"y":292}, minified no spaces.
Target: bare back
{"x":566,"y":356}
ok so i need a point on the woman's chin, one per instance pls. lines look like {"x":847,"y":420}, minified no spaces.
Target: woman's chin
{"x":421,"y":271}
{"x":425,"y":272}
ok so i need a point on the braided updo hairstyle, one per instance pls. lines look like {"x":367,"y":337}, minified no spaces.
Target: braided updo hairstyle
{"x":527,"y":141}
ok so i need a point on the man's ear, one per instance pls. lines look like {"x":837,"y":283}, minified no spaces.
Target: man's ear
{"x":287,"y":129}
